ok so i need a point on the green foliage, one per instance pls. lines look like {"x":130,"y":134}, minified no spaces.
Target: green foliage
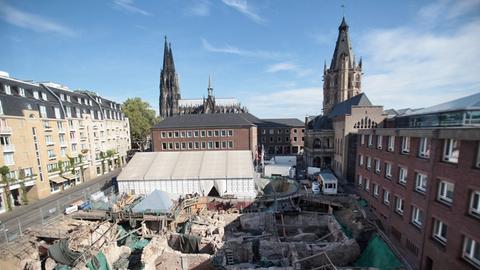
{"x":141,"y":118}
{"x":4,"y":170}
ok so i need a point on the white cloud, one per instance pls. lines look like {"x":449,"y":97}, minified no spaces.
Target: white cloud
{"x":31,"y":21}
{"x":199,"y":8}
{"x":447,"y":9}
{"x":237,"y":51}
{"x":288,"y":66}
{"x":242,"y":7}
{"x":128,"y":6}
{"x":414,"y":67}
{"x":288,"y":103}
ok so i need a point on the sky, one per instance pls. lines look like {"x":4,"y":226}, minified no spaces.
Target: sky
{"x":269,"y":54}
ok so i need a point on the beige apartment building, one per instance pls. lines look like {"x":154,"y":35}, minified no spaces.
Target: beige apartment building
{"x":53,"y":138}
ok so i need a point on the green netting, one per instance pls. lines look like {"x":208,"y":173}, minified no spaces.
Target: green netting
{"x":363,"y":203}
{"x":133,"y":241}
{"x":378,"y":254}
{"x":99,"y":262}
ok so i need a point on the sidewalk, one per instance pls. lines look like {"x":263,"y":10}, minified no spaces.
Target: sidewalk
{"x":25,"y":209}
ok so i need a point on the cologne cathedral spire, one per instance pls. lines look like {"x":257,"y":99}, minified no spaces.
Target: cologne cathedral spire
{"x":169,"y":88}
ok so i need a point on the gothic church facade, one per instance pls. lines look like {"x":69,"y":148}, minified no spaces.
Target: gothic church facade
{"x":171,"y":103}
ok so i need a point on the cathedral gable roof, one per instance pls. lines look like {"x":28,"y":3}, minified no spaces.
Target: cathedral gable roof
{"x":345,"y":107}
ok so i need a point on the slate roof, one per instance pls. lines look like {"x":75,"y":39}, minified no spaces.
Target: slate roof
{"x":320,"y":122}
{"x":467,"y":103}
{"x":282,"y":122}
{"x":207,"y":120}
{"x":345,"y":107}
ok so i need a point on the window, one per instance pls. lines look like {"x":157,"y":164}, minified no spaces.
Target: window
{"x":195,"y":133}
{"x":170,"y":146}
{"x":445,"y":192}
{"x":217,"y":133}
{"x":1,"y":107}
{"x":451,"y":150}
{"x":399,"y":205}
{"x":68,"y":111}
{"x":360,"y":180}
{"x":197,"y":145}
{"x":8,"y":159}
{"x":170,"y":134}
{"x":362,"y":139}
{"x":477,"y":164}
{"x":183,"y":134}
{"x":190,"y":145}
{"x":367,"y":184}
{"x":43,"y":111}
{"x":62,"y":97}
{"x":405,"y":144}
{"x":50,"y":154}
{"x":379,"y":141}
{"x":224,"y":145}
{"x":189,"y":134}
{"x":420,"y":182}
{"x":417,"y":216}
{"x":475,"y":203}
{"x":210,"y":133}
{"x":386,"y":197}
{"x":35,"y":95}
{"x":271,"y":131}
{"x":391,"y":143}
{"x":7,"y":89}
{"x":369,"y":162}
{"x":204,"y":145}
{"x":471,"y":250}
{"x":176,"y":134}
{"x":439,"y":231}
{"x":21,"y":92}
{"x":294,"y":130}
{"x":230,"y":133}
{"x":163,"y":134}
{"x":279,"y":139}
{"x":223,"y":133}
{"x":388,"y":170}
{"x":375,"y":190}
{"x":279,"y":131}
{"x":203,"y":133}
{"x":424,"y":148}
{"x":360,"y":158}
{"x":44,"y":96}
{"x":210,"y":145}
{"x":377,"y":166}
{"x":164,"y":146}
{"x":370,"y":140}
{"x":402,"y":175}
{"x":230,"y":144}
{"x":57,"y":112}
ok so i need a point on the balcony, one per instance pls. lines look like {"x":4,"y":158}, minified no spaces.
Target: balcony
{"x":52,"y":157}
{"x":50,"y":143}
{"x":48,"y":128}
{"x":5,"y":130}
{"x":8,"y":148}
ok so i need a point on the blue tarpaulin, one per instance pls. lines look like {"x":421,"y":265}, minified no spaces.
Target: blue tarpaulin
{"x":158,"y":202}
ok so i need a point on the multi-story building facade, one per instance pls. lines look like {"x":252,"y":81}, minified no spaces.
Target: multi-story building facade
{"x":330,"y":140}
{"x":200,"y":132}
{"x":53,"y":138}
{"x":421,"y":176}
{"x":283,"y":136}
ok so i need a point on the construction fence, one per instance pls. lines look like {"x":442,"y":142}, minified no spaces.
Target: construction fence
{"x":12,"y":229}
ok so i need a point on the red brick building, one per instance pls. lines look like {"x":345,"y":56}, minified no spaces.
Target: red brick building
{"x":421,"y":177}
{"x":205,"y":132}
{"x":283,"y":136}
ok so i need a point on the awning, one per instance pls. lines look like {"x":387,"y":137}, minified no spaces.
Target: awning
{"x":69,"y":176}
{"x":58,"y":179}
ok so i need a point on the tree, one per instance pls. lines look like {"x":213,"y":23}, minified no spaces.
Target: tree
{"x":141,"y":118}
{"x":4,"y":171}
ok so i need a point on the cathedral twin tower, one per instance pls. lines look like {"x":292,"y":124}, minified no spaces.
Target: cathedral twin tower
{"x":341,"y":81}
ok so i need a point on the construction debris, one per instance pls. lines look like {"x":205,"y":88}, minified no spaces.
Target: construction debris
{"x":292,"y":232}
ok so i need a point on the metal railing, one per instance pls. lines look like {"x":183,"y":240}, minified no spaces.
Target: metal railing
{"x":14,"y":228}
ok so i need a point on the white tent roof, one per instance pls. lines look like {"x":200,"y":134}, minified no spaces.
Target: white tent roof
{"x":188,"y":165}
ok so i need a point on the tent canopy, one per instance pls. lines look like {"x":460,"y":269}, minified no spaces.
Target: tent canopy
{"x":156,"y":202}
{"x":189,"y":165}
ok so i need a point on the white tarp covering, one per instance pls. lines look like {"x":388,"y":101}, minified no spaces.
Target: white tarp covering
{"x":187,"y":172}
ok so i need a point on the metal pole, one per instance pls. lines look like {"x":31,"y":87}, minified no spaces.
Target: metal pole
{"x":19,"y":226}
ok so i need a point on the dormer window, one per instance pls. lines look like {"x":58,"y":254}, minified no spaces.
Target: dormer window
{"x":44,"y":96}
{"x":35,"y":95}
{"x":7,"y":89}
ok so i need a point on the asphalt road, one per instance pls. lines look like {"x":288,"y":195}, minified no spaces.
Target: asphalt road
{"x":13,"y":223}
